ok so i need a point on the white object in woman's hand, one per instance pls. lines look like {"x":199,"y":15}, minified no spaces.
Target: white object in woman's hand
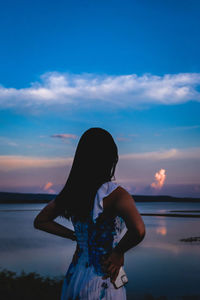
{"x":112,"y":265}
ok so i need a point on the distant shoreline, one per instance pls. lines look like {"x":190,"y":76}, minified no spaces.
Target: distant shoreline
{"x":142,"y":214}
{"x":26,"y":198}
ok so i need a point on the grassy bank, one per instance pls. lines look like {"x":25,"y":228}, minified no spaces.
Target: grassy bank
{"x":28,"y":286}
{"x":32,"y":286}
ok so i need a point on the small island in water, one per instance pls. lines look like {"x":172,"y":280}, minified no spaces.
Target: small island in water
{"x":7,"y":197}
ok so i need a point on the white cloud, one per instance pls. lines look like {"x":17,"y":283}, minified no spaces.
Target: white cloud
{"x":134,"y":171}
{"x":185,"y":127}
{"x":122,"y":139}
{"x":122,"y":91}
{"x":17,"y":162}
{"x":160,"y":177}
{"x":64,"y":136}
{"x":165,"y":154}
{"x":7,"y":141}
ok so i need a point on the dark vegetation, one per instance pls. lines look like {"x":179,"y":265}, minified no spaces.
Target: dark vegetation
{"x":191,"y":239}
{"x":28,"y":286}
{"x":32,"y":286}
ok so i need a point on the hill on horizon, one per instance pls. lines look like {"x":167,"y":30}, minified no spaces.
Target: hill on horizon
{"x":8,"y":197}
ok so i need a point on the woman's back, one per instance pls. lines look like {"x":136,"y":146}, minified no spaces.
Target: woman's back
{"x":96,"y":237}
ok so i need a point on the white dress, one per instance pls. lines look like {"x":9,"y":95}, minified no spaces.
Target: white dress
{"x":95,"y":238}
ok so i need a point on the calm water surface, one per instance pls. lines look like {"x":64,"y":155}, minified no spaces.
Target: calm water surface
{"x":159,"y":265}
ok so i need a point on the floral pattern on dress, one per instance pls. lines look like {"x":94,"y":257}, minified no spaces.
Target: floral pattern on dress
{"x":100,"y":241}
{"x":74,"y":262}
{"x":104,"y":286}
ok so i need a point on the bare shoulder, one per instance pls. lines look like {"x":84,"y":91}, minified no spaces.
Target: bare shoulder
{"x":122,"y":197}
{"x":121,"y":192}
{"x":117,"y":196}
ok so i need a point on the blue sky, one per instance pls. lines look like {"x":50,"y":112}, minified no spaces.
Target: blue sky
{"x":131,"y":67}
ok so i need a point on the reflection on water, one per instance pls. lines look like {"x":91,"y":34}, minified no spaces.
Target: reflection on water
{"x":160,"y":265}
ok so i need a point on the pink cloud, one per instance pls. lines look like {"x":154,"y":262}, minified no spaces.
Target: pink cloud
{"x":160,"y":177}
{"x":48,"y":186}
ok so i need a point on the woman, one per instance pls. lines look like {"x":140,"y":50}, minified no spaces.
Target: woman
{"x":99,"y":209}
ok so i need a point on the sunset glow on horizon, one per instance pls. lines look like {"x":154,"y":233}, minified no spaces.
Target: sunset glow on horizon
{"x":121,"y":66}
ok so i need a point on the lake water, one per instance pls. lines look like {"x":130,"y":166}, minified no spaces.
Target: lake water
{"x":159,"y":265}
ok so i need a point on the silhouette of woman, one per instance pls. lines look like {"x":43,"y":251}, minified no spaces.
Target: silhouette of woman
{"x":99,"y":210}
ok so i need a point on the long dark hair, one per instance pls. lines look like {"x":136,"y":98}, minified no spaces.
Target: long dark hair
{"x":94,"y":163}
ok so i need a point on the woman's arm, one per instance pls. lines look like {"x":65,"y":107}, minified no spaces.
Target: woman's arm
{"x":126,"y":208}
{"x":44,"y":221}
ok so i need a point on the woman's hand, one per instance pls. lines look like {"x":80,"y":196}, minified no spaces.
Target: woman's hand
{"x":112,"y":264}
